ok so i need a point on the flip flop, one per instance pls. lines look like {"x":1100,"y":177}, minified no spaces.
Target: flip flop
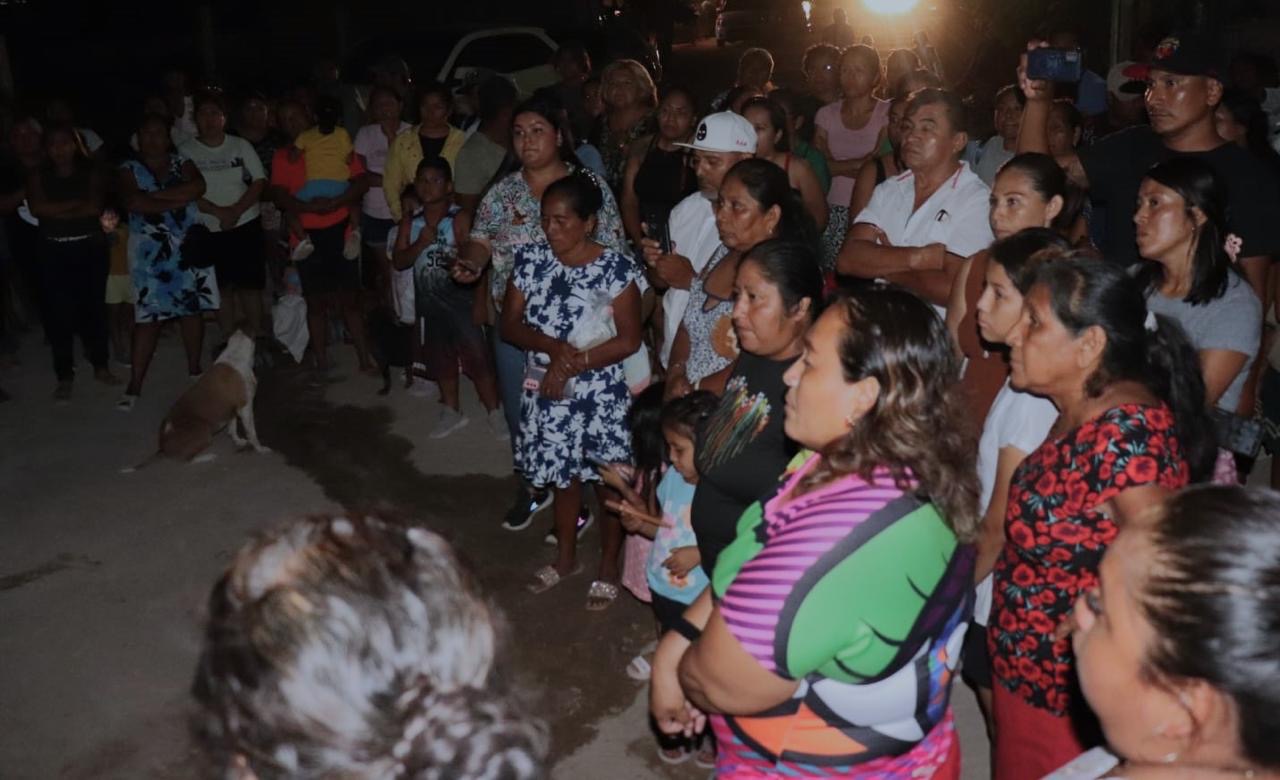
{"x":639,"y":669}
{"x":547,"y":577}
{"x":667,"y":758}
{"x":600,"y":595}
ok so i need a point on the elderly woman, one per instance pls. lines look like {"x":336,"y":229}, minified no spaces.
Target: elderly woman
{"x":630,"y":98}
{"x":1178,"y":646}
{"x":354,"y":647}
{"x":756,"y":203}
{"x":831,"y":630}
{"x":1132,"y":429}
{"x":160,"y":190}
{"x":510,"y":216}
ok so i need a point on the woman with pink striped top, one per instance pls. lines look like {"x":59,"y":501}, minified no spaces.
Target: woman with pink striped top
{"x":826,"y":644}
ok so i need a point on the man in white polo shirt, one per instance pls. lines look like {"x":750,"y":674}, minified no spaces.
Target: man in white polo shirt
{"x":720,"y":142}
{"x":920,"y":225}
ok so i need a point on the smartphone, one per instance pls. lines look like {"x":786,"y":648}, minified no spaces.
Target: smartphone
{"x":658,"y":228}
{"x":1061,"y":65}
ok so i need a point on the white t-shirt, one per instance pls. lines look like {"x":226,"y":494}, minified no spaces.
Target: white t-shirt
{"x":228,"y":169}
{"x":1018,"y":420}
{"x":371,"y":143}
{"x":693,"y":235}
{"x":955,"y":216}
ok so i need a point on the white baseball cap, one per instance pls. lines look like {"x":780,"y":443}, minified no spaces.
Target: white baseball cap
{"x":724,"y":132}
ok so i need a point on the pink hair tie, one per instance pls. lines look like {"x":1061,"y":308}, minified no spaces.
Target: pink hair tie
{"x":1232,"y":247}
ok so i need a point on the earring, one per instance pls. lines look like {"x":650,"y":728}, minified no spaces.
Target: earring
{"x":849,"y":421}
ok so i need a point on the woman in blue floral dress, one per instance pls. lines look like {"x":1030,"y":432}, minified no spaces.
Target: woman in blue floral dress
{"x":508,"y":216}
{"x":160,"y":189}
{"x":575,"y":399}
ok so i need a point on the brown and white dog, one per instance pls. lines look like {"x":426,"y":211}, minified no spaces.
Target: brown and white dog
{"x":223,"y":395}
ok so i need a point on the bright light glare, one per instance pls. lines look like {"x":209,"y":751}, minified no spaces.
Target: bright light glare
{"x":890,"y":6}
{"x":808,"y":9}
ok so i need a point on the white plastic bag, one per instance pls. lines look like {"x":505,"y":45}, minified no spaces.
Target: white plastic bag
{"x":289,"y":324}
{"x":597,"y":326}
{"x":403,"y":299}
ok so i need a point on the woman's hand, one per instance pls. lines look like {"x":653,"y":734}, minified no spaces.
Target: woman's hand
{"x":682,"y":561}
{"x":678,"y":387}
{"x":566,"y":363}
{"x":670,"y":709}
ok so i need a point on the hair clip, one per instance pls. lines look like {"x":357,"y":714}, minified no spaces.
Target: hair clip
{"x":1232,"y":247}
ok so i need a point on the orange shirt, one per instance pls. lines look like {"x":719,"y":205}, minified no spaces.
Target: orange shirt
{"x":291,"y":175}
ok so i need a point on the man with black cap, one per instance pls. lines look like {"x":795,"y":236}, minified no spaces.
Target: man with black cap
{"x":1184,"y":86}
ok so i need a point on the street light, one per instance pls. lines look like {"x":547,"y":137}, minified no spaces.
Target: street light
{"x":890,"y":7}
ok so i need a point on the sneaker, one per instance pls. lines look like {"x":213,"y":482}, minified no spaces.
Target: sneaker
{"x":498,"y":425}
{"x":303,"y":250}
{"x":526,"y":507}
{"x":126,"y":402}
{"x":351,"y":246}
{"x":585,"y":519}
{"x":450,"y":420}
{"x":425,"y":390}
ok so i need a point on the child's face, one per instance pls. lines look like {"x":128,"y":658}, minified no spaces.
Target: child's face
{"x":432,"y":186}
{"x":680,"y":451}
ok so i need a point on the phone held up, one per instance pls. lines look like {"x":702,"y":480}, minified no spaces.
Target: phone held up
{"x":1060,"y":65}
{"x":658,"y":228}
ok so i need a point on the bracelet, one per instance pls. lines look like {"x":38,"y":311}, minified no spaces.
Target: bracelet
{"x":686,"y":629}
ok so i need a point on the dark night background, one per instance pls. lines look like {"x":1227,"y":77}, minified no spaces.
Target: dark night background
{"x":107,"y":55}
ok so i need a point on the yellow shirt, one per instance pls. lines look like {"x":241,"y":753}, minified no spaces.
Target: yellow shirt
{"x":327,"y":156}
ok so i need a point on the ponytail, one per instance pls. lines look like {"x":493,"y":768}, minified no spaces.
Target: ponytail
{"x":1173,"y":374}
{"x":769,"y":186}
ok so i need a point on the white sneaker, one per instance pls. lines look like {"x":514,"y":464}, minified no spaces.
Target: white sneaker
{"x":424,"y":389}
{"x":351,"y":246}
{"x":303,"y":250}
{"x":498,"y":425}
{"x":450,"y":420}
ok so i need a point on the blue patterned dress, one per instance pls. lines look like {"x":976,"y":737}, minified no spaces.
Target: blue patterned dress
{"x":167,"y":287}
{"x":557,"y":437}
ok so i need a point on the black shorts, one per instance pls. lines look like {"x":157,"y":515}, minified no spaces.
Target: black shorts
{"x":975,"y":661}
{"x":326,"y":270}
{"x":667,"y":611}
{"x":238,"y":256}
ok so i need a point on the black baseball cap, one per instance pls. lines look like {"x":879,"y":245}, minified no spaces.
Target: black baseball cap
{"x":1187,"y":54}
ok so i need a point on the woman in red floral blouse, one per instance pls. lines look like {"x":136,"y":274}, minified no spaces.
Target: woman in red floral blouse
{"x":1132,"y":429}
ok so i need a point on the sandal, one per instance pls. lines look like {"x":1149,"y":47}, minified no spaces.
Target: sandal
{"x":675,"y":755}
{"x":547,"y":577}
{"x":126,"y":402}
{"x":600,"y":595}
{"x":62,"y":394}
{"x":706,"y":755}
{"x":639,"y":669}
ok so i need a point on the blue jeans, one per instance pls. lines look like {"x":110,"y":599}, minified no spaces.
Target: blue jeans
{"x":509,"y":361}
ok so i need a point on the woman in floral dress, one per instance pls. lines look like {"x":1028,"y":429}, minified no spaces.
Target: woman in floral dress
{"x":160,"y":190}
{"x":1132,"y":429}
{"x":509,"y":216}
{"x":574,"y":401}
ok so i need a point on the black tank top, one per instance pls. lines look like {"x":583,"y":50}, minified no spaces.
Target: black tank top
{"x":664,"y":179}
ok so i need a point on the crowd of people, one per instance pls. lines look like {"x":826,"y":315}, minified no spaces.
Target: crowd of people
{"x":865,"y":402}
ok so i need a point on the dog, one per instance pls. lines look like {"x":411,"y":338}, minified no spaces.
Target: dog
{"x":222,"y":396}
{"x":391,"y":343}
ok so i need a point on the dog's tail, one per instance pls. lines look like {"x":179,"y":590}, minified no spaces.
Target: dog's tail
{"x":153,"y":457}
